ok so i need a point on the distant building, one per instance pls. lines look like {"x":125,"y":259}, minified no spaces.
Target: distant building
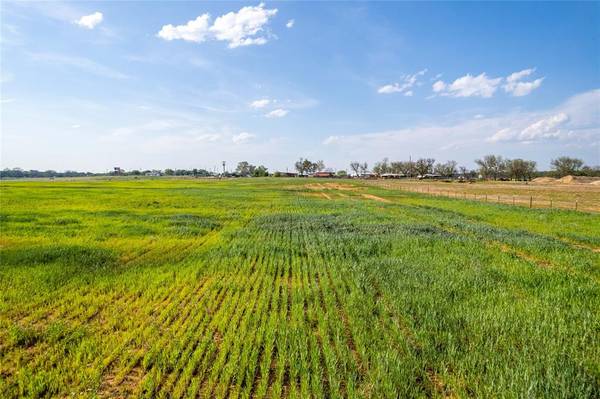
{"x":118,"y":171}
{"x":285,"y":174}
{"x":393,"y":176}
{"x":154,"y":173}
{"x":368,"y":175}
{"x":431,"y":176}
{"x":323,"y":174}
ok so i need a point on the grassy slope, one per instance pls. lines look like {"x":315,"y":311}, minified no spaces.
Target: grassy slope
{"x":262,"y":287}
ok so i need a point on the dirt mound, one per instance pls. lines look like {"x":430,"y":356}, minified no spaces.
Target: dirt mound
{"x":544,"y":180}
{"x":567,"y":179}
{"x":578,"y":180}
{"x":596,"y":183}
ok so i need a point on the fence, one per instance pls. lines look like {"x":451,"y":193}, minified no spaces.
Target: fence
{"x":518,"y":199}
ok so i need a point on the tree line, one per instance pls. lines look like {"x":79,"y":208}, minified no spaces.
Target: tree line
{"x":493,"y":167}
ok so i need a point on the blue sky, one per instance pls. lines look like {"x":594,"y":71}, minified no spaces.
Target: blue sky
{"x":92,"y":85}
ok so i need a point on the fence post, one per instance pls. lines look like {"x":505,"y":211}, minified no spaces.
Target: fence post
{"x":575,"y":204}
{"x":530,"y":201}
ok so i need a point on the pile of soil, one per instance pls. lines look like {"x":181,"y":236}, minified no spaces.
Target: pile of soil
{"x":578,"y":180}
{"x":567,"y":180}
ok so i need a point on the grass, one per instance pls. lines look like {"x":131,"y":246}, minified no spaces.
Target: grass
{"x":268,"y":288}
{"x":578,"y":196}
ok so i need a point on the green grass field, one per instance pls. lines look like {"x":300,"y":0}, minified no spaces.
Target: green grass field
{"x":291,"y":288}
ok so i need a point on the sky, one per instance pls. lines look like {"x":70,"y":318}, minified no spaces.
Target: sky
{"x":153,"y":85}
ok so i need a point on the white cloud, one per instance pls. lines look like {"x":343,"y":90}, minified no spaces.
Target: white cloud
{"x":290,"y":24}
{"x":439,"y":86}
{"x":545,"y":128}
{"x":524,"y":88}
{"x":409,"y":93}
{"x":90,"y":21}
{"x":469,"y":86}
{"x":242,"y":137}
{"x":484,"y":86}
{"x":388,"y":89}
{"x":195,"y":30}
{"x":516,"y":76}
{"x":75,"y":126}
{"x":332,"y":140}
{"x":260,"y":103}
{"x":517,"y":88}
{"x":277,"y":113}
{"x":408,"y":82}
{"x":242,"y":28}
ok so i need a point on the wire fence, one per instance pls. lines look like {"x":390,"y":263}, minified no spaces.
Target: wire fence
{"x":528,"y":200}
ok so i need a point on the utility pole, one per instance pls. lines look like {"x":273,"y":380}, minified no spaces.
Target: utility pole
{"x":223,"y":168}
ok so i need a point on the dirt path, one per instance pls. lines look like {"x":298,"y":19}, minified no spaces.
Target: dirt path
{"x":376,"y":198}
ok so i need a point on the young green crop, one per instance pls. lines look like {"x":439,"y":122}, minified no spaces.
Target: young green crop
{"x":266,"y":288}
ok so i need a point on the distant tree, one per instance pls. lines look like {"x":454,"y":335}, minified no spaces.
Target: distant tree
{"x":447,"y":169}
{"x":299,"y":166}
{"x":169,"y":172}
{"x":396,"y":167}
{"x":564,"y":166}
{"x":304,"y":166}
{"x":463,"y":170}
{"x":407,"y":168}
{"x":590,"y":171}
{"x":245,"y":169}
{"x":491,"y":166}
{"x":355,"y":166}
{"x":364,"y":167}
{"x":341,"y":173}
{"x":520,"y":169}
{"x":424,"y":166}
{"x":382,"y":167}
{"x":260,"y":171}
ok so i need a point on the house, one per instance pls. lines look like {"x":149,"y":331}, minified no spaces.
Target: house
{"x":429,"y":176}
{"x":393,"y":175}
{"x":323,"y":174}
{"x":368,"y":175}
{"x":285,"y":174}
{"x":118,"y":171}
{"x":154,"y":173}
